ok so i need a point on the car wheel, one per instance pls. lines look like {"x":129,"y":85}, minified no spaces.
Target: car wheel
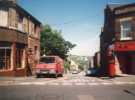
{"x":61,"y":75}
{"x":38,"y":76}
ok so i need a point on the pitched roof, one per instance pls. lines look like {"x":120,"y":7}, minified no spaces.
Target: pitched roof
{"x":113,"y":6}
{"x":118,"y":5}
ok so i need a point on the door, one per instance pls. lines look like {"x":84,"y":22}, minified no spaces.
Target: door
{"x":128,"y":63}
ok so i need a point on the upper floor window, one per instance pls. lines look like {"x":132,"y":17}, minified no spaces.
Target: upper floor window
{"x":3,"y":17}
{"x":13,"y":18}
{"x":20,"y":22}
{"x":126,"y":29}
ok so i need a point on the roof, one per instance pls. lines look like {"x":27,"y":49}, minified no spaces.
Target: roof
{"x":113,"y":6}
{"x":28,"y":14}
{"x":117,"y":5}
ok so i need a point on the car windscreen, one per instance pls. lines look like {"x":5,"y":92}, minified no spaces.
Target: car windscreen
{"x":47,"y":60}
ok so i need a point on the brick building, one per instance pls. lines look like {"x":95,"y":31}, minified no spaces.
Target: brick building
{"x":19,"y":40}
{"x":96,"y":59}
{"x":118,"y":39}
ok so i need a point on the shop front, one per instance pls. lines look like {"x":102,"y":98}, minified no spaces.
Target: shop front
{"x":125,"y":52}
{"x":12,"y":59}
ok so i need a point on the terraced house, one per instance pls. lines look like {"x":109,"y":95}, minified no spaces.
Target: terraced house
{"x":19,"y":40}
{"x":118,"y":39}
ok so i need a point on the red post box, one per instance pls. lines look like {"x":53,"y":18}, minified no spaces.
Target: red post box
{"x":111,"y":58}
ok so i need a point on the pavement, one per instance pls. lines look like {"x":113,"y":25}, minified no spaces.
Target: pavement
{"x":69,"y":87}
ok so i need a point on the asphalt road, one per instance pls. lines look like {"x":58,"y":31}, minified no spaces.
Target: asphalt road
{"x":72,"y":87}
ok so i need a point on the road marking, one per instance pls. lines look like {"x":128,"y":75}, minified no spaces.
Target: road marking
{"x":93,"y":84}
{"x":52,"y":83}
{"x":85,"y":97}
{"x":122,"y":83}
{"x":80,"y":84}
{"x":38,"y":83}
{"x":70,"y":82}
{"x":23,"y":83}
{"x":67,"y":83}
{"x":106,"y":83}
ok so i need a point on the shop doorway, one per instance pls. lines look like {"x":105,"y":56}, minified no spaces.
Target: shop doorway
{"x":125,"y":62}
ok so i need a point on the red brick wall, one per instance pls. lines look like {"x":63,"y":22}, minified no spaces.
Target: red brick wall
{"x":7,"y":73}
{"x":12,"y":73}
{"x":20,"y":72}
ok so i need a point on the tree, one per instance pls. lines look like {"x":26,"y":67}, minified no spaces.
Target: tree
{"x":52,"y":43}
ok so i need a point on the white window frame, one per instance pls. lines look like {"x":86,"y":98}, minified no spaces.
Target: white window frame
{"x":20,"y":23}
{"x":121,"y":28}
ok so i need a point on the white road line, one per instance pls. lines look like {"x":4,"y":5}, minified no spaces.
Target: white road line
{"x":38,"y":83}
{"x":93,"y":84}
{"x":122,"y":83}
{"x":23,"y":83}
{"x":66,"y":84}
{"x":105,"y":83}
{"x":79,"y":83}
{"x":53,"y":84}
{"x":93,"y":80}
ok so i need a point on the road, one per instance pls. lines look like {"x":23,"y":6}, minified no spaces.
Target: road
{"x":70,"y":87}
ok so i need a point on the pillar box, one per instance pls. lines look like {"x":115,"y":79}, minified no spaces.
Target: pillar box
{"x":111,"y":60}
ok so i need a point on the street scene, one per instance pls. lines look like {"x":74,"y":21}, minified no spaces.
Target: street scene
{"x":67,"y":50}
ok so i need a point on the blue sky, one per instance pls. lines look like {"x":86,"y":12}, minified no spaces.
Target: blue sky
{"x":79,"y":20}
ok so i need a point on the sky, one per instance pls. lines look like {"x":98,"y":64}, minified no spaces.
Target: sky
{"x":79,"y":20}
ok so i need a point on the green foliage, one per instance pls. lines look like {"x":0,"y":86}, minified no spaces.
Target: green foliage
{"x":82,"y":64}
{"x":52,"y":43}
{"x":67,"y":64}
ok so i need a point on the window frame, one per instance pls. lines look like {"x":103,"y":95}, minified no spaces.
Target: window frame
{"x":125,"y":29}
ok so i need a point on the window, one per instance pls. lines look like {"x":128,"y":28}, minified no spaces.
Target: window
{"x":4,"y":17}
{"x":32,"y":28}
{"x":47,"y":60}
{"x":25,"y":25}
{"x":13,"y":18}
{"x":126,"y":30}
{"x":20,"y":22}
{"x":5,"y":58}
{"x":19,"y":57}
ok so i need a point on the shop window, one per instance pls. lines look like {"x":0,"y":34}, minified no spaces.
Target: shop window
{"x":5,"y":58}
{"x":126,"y":26}
{"x":19,"y":58}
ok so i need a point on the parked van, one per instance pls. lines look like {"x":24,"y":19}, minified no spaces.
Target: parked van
{"x":50,"y":65}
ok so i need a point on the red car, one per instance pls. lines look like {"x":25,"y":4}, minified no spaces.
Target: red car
{"x":50,"y":65}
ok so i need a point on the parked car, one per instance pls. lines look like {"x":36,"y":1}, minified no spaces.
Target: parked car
{"x":50,"y":65}
{"x":91,"y":72}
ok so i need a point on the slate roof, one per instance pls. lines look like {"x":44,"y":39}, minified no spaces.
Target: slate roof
{"x":118,"y":5}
